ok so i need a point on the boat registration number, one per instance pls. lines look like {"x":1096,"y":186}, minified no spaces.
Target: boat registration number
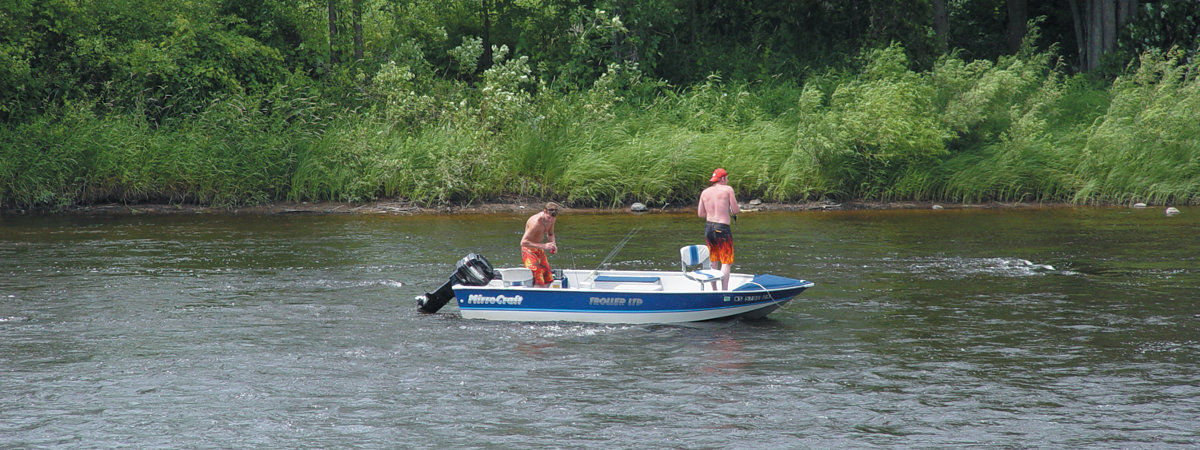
{"x":614,"y":301}
{"x":745,"y":298}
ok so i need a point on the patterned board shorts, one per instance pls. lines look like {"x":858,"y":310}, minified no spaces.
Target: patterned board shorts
{"x":535,"y":260}
{"x":720,"y":242}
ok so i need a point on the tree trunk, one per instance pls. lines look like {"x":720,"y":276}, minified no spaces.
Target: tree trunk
{"x":695,"y":16}
{"x":486,"y":61}
{"x":1125,"y":11}
{"x":1095,"y":37}
{"x":1080,"y":40}
{"x":1018,"y":14}
{"x":1108,"y":25}
{"x":333,"y":33}
{"x":872,"y":29}
{"x":941,"y":24}
{"x":1098,"y":32}
{"x":358,"y":37}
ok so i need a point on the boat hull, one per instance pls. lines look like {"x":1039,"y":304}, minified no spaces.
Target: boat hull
{"x":629,"y":305}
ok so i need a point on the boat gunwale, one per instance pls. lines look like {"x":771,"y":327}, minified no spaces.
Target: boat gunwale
{"x":671,"y":274}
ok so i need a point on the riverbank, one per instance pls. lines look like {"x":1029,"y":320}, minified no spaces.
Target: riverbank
{"x":402,"y":208}
{"x":964,"y":132}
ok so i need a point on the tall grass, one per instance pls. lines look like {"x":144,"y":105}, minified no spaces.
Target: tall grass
{"x":1016,"y":129}
{"x":1147,"y":145}
{"x":231,"y":153}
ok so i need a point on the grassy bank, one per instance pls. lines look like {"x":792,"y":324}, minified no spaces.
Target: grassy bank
{"x":1012,"y":130}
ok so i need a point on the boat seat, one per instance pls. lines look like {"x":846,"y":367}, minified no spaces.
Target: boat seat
{"x":634,"y":287}
{"x":696,"y":256}
{"x":518,"y":276}
{"x":628,"y":283}
{"x":622,"y":279}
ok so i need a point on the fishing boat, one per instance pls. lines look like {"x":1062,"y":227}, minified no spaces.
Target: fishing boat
{"x":612,"y":296}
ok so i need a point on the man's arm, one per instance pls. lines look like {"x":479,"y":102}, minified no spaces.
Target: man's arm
{"x":700,"y":211}
{"x":733,"y":204}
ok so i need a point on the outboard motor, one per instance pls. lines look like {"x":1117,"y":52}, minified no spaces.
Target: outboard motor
{"x":472,"y":270}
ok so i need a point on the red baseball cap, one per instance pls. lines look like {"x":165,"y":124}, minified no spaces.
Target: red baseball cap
{"x":717,"y":174}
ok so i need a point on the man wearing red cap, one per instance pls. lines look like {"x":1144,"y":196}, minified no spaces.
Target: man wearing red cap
{"x":717,"y":205}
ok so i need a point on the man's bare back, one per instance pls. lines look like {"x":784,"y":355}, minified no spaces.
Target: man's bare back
{"x":717,"y":203}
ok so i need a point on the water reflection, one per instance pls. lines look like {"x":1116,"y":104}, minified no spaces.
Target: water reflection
{"x":536,"y":350}
{"x":724,"y":355}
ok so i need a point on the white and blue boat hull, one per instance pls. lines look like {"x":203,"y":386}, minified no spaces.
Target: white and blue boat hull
{"x":633,"y":297}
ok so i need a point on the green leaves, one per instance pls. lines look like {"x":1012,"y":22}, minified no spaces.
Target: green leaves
{"x":1147,"y":146}
{"x":236,"y":102}
{"x":877,"y":127}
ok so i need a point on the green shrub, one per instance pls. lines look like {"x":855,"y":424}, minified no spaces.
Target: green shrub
{"x":878,"y":127}
{"x":1014,"y":130}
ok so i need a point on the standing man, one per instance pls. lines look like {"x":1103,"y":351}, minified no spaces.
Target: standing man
{"x":717,"y":205}
{"x":538,"y":239}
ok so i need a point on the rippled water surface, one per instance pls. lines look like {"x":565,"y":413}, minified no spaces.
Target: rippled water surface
{"x":1043,"y":327}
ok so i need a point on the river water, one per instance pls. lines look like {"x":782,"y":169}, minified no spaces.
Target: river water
{"x":1054,"y":327}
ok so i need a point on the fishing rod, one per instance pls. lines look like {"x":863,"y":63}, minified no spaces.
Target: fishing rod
{"x":613,"y":253}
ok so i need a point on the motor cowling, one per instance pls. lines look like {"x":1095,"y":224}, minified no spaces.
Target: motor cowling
{"x":472,"y":270}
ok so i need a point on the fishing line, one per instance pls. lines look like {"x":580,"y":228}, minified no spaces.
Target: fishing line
{"x":614,"y":252}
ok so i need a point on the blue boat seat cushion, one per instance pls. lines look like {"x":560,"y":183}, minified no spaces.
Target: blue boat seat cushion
{"x":705,"y":275}
{"x":692,"y":255}
{"x":620,"y":279}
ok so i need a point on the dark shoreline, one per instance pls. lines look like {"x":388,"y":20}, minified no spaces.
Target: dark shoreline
{"x":401,"y":208}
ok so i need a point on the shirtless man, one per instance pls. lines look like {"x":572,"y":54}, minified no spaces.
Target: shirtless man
{"x":717,"y":205}
{"x":538,"y":239}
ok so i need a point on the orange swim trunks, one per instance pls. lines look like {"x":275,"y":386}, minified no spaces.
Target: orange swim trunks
{"x":720,"y":242}
{"x":535,"y":260}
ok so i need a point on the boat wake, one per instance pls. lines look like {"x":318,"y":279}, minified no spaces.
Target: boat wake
{"x":955,"y":267}
{"x":535,"y":330}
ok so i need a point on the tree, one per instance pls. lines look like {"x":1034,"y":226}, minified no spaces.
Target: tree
{"x":941,"y":24}
{"x":334,"y":55}
{"x":486,"y":10}
{"x":1018,"y":14}
{"x":357,"y":13}
{"x":1163,"y":26}
{"x":1096,"y":24}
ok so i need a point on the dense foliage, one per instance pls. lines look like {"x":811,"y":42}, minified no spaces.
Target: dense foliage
{"x":589,"y":102}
